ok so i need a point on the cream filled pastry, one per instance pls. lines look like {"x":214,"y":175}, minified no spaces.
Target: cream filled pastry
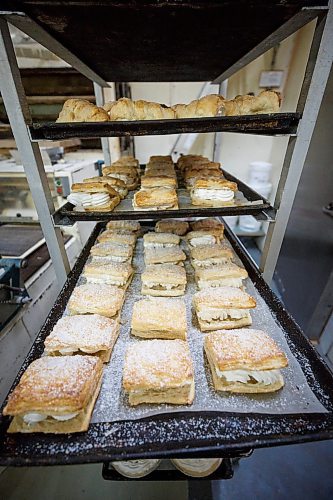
{"x":168,"y":280}
{"x":223,"y":307}
{"x":220,"y":275}
{"x":94,"y":196}
{"x":244,"y":361}
{"x":55,"y":395}
{"x":214,"y":192}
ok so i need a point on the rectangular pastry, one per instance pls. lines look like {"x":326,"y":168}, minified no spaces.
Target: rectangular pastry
{"x":223,"y":308}
{"x":160,"y":240}
{"x":112,"y":273}
{"x":94,"y":196}
{"x":129,"y":175}
{"x":173,"y":255}
{"x":128,"y":161}
{"x":174,"y":226}
{"x":106,"y":300}
{"x":244,"y":361}
{"x":213,"y":193}
{"x":159,"y":318}
{"x":210,"y":255}
{"x":128,"y":225}
{"x":56,"y":394}
{"x":160,"y":180}
{"x":202,"y":238}
{"x":163,"y":280}
{"x":155,"y":199}
{"x":159,"y":371}
{"x":89,"y":334}
{"x":222,"y":275}
{"x":160,"y":159}
{"x":116,"y":237}
{"x":208,"y":224}
{"x":161,"y":171}
{"x":116,"y":184}
{"x":111,"y":252}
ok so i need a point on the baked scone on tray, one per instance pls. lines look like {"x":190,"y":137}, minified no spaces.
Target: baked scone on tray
{"x":222,"y":275}
{"x":91,"y":298}
{"x":210,"y":255}
{"x":93,"y":197}
{"x":113,"y":273}
{"x":163,"y":280}
{"x":174,"y":226}
{"x":244,"y":361}
{"x":223,"y":308}
{"x":56,"y":394}
{"x":83,"y":334}
{"x":111,"y":252}
{"x":158,"y":198}
{"x":128,"y":225}
{"x":116,"y":184}
{"x":207,"y":224}
{"x":158,"y":179}
{"x":159,"y":371}
{"x":160,"y":240}
{"x":159,"y":318}
{"x":173,"y":255}
{"x":120,"y":238}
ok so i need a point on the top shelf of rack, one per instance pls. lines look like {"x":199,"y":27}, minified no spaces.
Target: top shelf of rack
{"x":160,"y":40}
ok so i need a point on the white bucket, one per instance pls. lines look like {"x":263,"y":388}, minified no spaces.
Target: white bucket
{"x":249,"y":224}
{"x":231,"y":220}
{"x":263,"y":188}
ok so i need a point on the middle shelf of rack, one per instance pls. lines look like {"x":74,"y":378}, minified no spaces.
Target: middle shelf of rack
{"x":248,"y":202}
{"x":269,"y":124}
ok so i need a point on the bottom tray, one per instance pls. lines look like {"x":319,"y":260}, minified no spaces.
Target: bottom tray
{"x":183,"y":434}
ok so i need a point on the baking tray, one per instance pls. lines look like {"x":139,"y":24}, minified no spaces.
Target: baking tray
{"x":183,"y":434}
{"x":265,"y":124}
{"x":66,"y":215}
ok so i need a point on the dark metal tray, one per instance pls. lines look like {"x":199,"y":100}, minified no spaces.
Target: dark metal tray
{"x":154,"y":40}
{"x":270,"y":124}
{"x":183,"y":434}
{"x":66,"y":216}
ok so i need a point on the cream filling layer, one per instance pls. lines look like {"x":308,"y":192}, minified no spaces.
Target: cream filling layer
{"x":213,"y":314}
{"x":163,"y":286}
{"x":266,"y":377}
{"x":89,"y":200}
{"x":111,"y":258}
{"x":159,"y":245}
{"x":224,"y":194}
{"x":34,"y":418}
{"x":203,"y":240}
{"x":213,"y":283}
{"x":108,"y":280}
{"x":211,"y":262}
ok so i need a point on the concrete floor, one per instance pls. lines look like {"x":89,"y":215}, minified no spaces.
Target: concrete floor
{"x":302,"y":472}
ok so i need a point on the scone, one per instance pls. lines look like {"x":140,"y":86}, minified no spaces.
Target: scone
{"x":56,"y":394}
{"x":129,"y":225}
{"x":116,"y":184}
{"x":223,"y":308}
{"x":94,"y":196}
{"x":106,"y":300}
{"x":210,"y":255}
{"x":111,"y":252}
{"x":222,"y":275}
{"x":115,"y":237}
{"x":207,"y":224}
{"x":159,"y":371}
{"x":172,"y":226}
{"x":213,"y":193}
{"x":160,"y":240}
{"x":158,"y":180}
{"x":155,"y":199}
{"x":244,"y":361}
{"x":160,"y":159}
{"x":173,"y":255}
{"x":202,"y":238}
{"x":163,"y":280}
{"x":92,"y":334}
{"x":112,"y":273}
{"x":159,"y":318}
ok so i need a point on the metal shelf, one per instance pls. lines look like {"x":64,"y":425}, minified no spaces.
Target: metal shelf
{"x":204,"y":434}
{"x":269,"y":124}
{"x":192,"y":40}
{"x":257,"y":205}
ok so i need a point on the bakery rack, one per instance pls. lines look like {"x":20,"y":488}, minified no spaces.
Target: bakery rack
{"x":209,"y":41}
{"x":203,"y":434}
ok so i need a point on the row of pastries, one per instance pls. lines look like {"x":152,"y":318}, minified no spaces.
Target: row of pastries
{"x":204,"y":180}
{"x":57,"y":392}
{"x":124,"y":109}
